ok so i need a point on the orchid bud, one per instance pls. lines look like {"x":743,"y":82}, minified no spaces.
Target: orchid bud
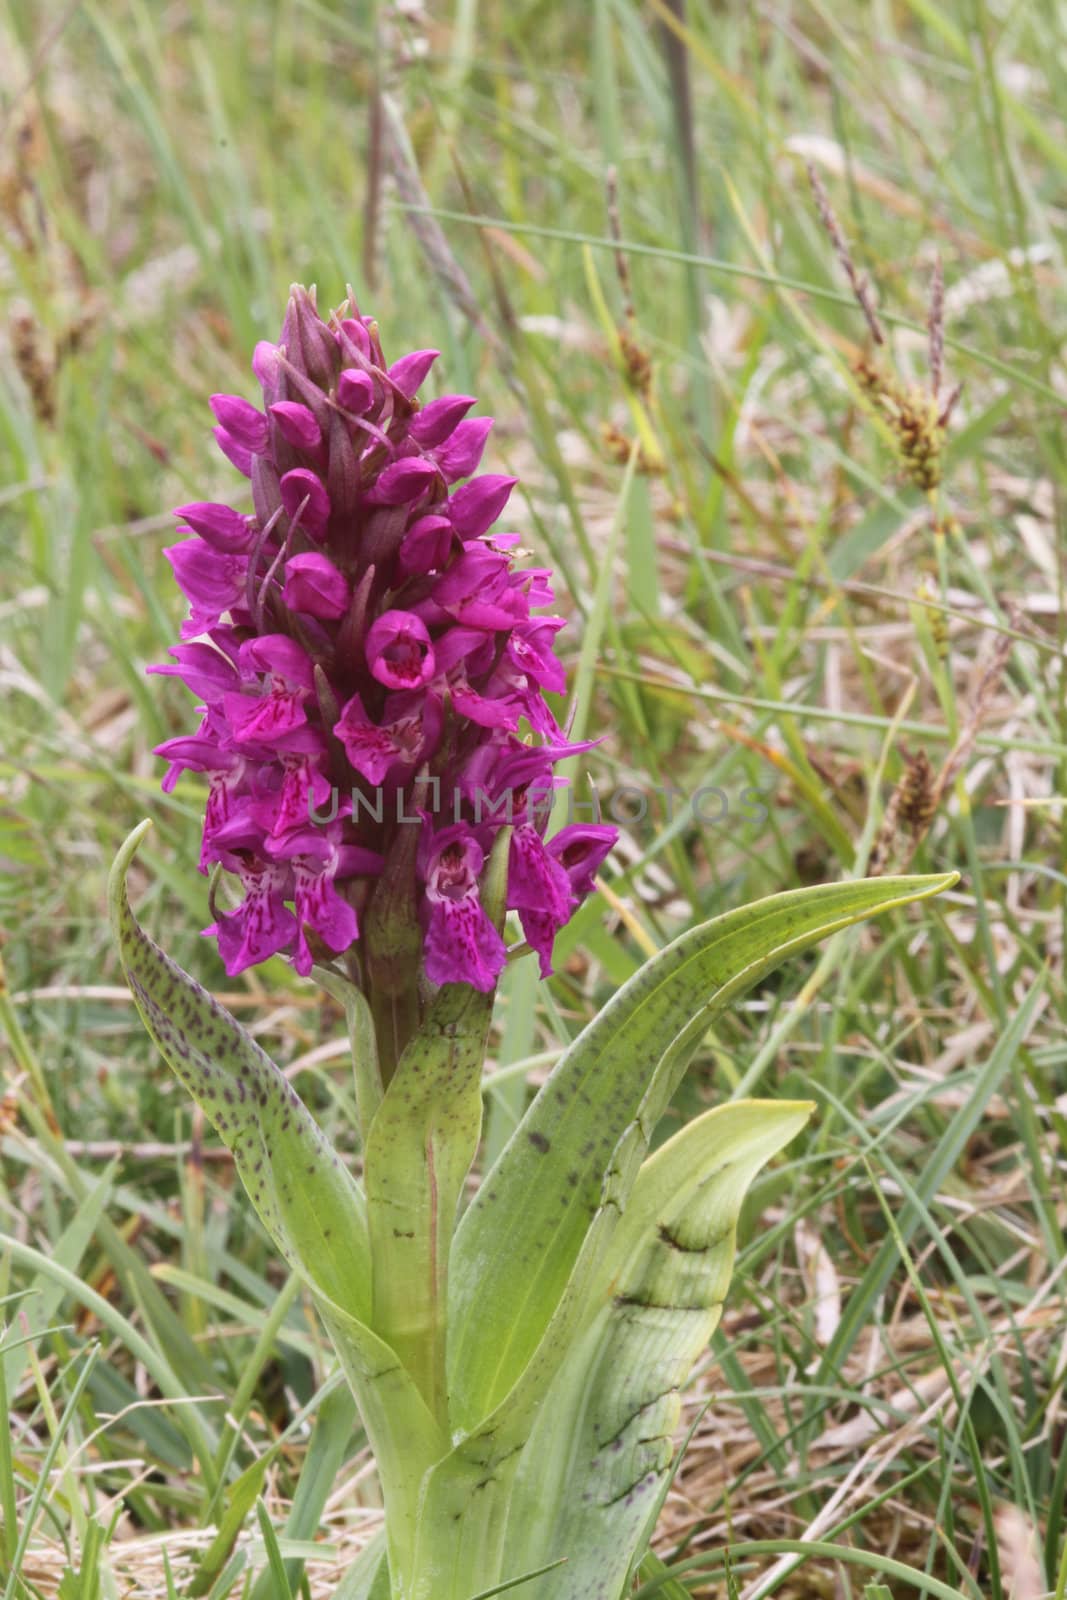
{"x":475,"y":507}
{"x":241,"y":420}
{"x":460,"y":455}
{"x":306,"y":501}
{"x":355,"y":391}
{"x":236,"y":453}
{"x":309,"y":345}
{"x":407,"y":373}
{"x":222,"y":527}
{"x":439,"y":420}
{"x":314,"y":585}
{"x":297,"y":425}
{"x":404,"y":482}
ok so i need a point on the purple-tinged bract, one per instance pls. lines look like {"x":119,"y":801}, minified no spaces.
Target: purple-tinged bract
{"x":371,"y":675}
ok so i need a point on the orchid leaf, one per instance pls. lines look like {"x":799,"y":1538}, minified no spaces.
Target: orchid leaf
{"x":618,"y":1351}
{"x":404,"y":1436}
{"x":587,"y":1492}
{"x":307,"y":1200}
{"x":419,"y":1149}
{"x":520,"y":1240}
{"x":310,"y":1205}
{"x":421,"y":1145}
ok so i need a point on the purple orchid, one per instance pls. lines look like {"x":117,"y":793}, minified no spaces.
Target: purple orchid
{"x":458,"y":931}
{"x":399,"y":652}
{"x":363,"y":634}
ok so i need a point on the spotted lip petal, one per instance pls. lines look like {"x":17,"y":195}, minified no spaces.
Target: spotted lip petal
{"x":462,"y":945}
{"x":399,"y":652}
{"x":365,"y":656}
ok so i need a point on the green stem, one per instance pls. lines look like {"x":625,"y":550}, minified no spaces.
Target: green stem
{"x":396,"y":1019}
{"x":419,"y":1149}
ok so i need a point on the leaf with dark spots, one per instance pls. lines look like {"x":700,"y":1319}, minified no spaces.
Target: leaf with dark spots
{"x":675,"y":1242}
{"x":653,"y":1309}
{"x":613,"y":1371}
{"x":287,"y":1165}
{"x":316,"y":1218}
{"x":616,"y":1079}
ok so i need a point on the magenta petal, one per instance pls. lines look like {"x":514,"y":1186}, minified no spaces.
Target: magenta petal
{"x":375,"y":749}
{"x":475,"y":507}
{"x":476,"y":590}
{"x":236,"y":453}
{"x":371,"y":749}
{"x":241,"y":420}
{"x":240,"y":831}
{"x":262,"y":721}
{"x":538,"y":713}
{"x":297,"y":425}
{"x":540,"y":932}
{"x":326,"y":912}
{"x":404,"y":481}
{"x":206,"y":576}
{"x":461,"y":455}
{"x":355,"y":331}
{"x":426,"y":545}
{"x":438,"y":420}
{"x":314,"y":586}
{"x":221,"y":526}
{"x":267,"y":366}
{"x":486,"y":712}
{"x":302,"y":485}
{"x":408,"y":373}
{"x":286,"y":813}
{"x":488,"y":611}
{"x":261,"y":926}
{"x":462,"y":946}
{"x":281,"y":656}
{"x":223,"y":797}
{"x":399,"y":652}
{"x":535,"y":583}
{"x":531,"y":648}
{"x":202,"y":668}
{"x":198,"y":754}
{"x":581,"y":850}
{"x":353,"y":861}
{"x":355,"y":391}
{"x":457,"y":645}
{"x":536,"y":881}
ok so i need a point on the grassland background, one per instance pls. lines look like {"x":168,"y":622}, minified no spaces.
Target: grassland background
{"x":889,"y":1381}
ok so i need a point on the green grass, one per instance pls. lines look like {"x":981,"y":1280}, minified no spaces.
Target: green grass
{"x":769,"y":609}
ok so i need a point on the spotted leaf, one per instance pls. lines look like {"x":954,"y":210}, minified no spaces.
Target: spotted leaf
{"x":306,"y":1198}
